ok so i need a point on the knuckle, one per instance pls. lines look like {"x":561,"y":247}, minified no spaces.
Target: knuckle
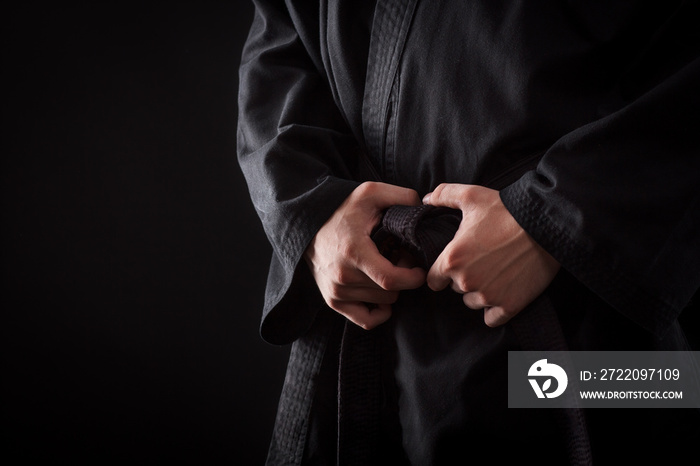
{"x":335,"y":290}
{"x":367,"y":188}
{"x":360,"y":322}
{"x":346,"y":250}
{"x":462,"y":283}
{"x":366,"y":326}
{"x":341,"y":277}
{"x":334,"y":303}
{"x":386,"y":282}
{"x":452,"y":261}
{"x":468,"y":193}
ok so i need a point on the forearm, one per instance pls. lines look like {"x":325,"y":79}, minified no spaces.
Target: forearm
{"x":294,"y":150}
{"x":616,"y":203}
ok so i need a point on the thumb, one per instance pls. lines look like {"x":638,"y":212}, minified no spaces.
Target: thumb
{"x":384,"y":195}
{"x":448,"y":195}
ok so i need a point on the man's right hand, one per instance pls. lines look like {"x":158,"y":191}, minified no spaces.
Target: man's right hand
{"x":346,"y":264}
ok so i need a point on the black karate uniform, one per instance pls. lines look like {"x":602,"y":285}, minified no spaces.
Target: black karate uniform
{"x":582,"y":114}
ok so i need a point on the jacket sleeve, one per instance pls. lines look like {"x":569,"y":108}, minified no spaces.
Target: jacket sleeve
{"x":617,"y":202}
{"x":296,"y":153}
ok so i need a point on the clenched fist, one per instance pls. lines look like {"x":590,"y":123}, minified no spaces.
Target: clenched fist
{"x":491,"y":261}
{"x":353,"y":277}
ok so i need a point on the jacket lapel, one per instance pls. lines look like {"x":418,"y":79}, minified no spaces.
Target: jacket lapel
{"x":392,"y":20}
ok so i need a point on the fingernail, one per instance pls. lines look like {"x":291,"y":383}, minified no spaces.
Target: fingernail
{"x":426,"y":198}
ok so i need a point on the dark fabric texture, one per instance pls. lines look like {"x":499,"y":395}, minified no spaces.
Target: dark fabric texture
{"x":558,"y":99}
{"x":581,"y":114}
{"x":423,"y":232}
{"x":359,"y":397}
{"x":305,"y":360}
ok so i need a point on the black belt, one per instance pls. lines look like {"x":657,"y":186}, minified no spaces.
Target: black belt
{"x":424,"y":231}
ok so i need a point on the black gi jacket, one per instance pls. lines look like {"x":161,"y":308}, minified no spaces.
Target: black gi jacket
{"x":583,"y":114}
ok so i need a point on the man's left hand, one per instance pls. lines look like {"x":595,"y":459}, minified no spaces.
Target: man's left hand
{"x":491,"y":261}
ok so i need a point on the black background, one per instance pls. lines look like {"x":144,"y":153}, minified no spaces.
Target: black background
{"x":133,"y":261}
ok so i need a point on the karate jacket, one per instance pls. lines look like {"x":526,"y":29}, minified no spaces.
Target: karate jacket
{"x":584,"y":115}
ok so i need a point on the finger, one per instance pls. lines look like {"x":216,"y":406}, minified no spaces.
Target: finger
{"x":457,"y":289}
{"x":361,"y":315}
{"x":367,"y":295}
{"x":496,"y":316}
{"x":475,"y":300}
{"x":459,"y":196}
{"x":388,"y":276}
{"x":447,"y":195}
{"x":436,"y":281}
{"x":383,"y":195}
{"x":438,"y":278}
